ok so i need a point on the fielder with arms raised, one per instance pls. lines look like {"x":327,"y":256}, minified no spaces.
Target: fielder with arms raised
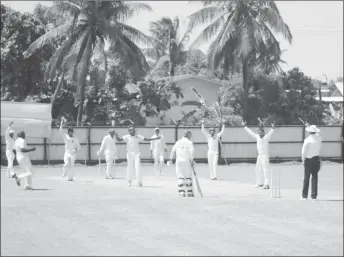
{"x":109,"y":149}
{"x":133,"y":153}
{"x":157,"y":151}
{"x":213,"y":148}
{"x":24,"y":161}
{"x":184,"y":150}
{"x":10,"y":141}
{"x":263,"y":162}
{"x":72,"y":146}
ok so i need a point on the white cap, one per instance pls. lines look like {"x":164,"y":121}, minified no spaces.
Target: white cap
{"x":313,"y":129}
{"x":11,"y":131}
{"x":156,"y":129}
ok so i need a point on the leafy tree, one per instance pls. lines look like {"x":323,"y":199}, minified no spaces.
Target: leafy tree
{"x":85,"y":32}
{"x":244,"y":37}
{"x":20,"y":76}
{"x":282,"y":99}
{"x":169,"y":47}
{"x":157,"y":97}
{"x":301,"y":101}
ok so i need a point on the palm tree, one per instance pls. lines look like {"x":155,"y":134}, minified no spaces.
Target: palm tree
{"x":90,"y":25}
{"x":169,"y":48}
{"x":243,"y":31}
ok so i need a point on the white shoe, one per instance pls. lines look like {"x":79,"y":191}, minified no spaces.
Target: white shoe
{"x":257,"y":186}
{"x":139,"y":184}
{"x":28,"y":188}
{"x":70,"y":179}
{"x":303,"y":199}
{"x":129,"y":183}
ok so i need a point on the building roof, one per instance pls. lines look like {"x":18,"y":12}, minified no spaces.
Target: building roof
{"x":331,"y":99}
{"x":340,"y":87}
{"x":191,"y":76}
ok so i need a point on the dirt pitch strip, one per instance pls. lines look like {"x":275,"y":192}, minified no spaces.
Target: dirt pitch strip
{"x":94,"y":216}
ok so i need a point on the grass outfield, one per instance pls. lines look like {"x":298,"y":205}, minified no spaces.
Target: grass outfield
{"x":94,"y":216}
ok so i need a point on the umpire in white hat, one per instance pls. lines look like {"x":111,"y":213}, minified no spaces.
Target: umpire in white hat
{"x":311,"y":160}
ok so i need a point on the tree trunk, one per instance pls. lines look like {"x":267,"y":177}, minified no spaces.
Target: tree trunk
{"x":58,"y":87}
{"x":245,"y":84}
{"x":171,"y":68}
{"x":85,"y":61}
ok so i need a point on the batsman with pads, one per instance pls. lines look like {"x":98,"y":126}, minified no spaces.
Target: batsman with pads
{"x":184,"y":150}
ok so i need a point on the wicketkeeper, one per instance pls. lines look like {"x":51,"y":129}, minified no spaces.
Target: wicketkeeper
{"x":184,"y":150}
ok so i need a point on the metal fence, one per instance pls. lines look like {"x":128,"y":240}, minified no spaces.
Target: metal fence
{"x":236,"y":144}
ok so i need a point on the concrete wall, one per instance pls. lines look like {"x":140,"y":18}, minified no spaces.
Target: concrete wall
{"x":207,"y":89}
{"x":237,"y":145}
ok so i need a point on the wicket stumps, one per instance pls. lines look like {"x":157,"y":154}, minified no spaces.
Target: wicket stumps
{"x":275,"y":183}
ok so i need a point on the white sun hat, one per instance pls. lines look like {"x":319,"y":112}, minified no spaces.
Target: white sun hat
{"x":313,"y":129}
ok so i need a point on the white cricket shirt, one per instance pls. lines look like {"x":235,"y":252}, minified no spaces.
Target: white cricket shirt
{"x":20,"y":143}
{"x":213,"y":142}
{"x":184,"y":150}
{"x":72,"y":144}
{"x":109,"y":145}
{"x":9,"y":140}
{"x":158,"y":145}
{"x":133,"y":143}
{"x":311,"y":146}
{"x":262,"y":143}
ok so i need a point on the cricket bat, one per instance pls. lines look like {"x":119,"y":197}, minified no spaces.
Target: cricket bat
{"x":302,"y":121}
{"x":260,"y":121}
{"x":196,"y":179}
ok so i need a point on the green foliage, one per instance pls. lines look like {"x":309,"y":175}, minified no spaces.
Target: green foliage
{"x":269,"y":99}
{"x":83,"y":36}
{"x":19,"y":75}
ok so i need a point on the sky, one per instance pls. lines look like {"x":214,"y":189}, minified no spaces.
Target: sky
{"x":316,"y":26}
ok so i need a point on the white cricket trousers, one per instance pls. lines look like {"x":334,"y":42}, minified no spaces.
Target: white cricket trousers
{"x":213,"y":158}
{"x":134,"y":164}
{"x":184,"y":177}
{"x":158,"y":161}
{"x":263,"y":169}
{"x":69,"y":161}
{"x":10,"y":158}
{"x":110,"y":165}
{"x":25,"y":164}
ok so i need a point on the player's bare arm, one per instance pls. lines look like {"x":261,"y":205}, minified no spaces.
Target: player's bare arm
{"x":26,"y":150}
{"x":151,"y":139}
{"x":119,"y":139}
{"x":61,"y":125}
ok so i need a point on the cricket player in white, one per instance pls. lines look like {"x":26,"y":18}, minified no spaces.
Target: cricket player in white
{"x":109,"y":149}
{"x":157,"y":151}
{"x":72,"y":146}
{"x":184,"y":150}
{"x":10,"y":141}
{"x":262,"y":165}
{"x":213,"y":148}
{"x":23,"y":160}
{"x":133,"y":153}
